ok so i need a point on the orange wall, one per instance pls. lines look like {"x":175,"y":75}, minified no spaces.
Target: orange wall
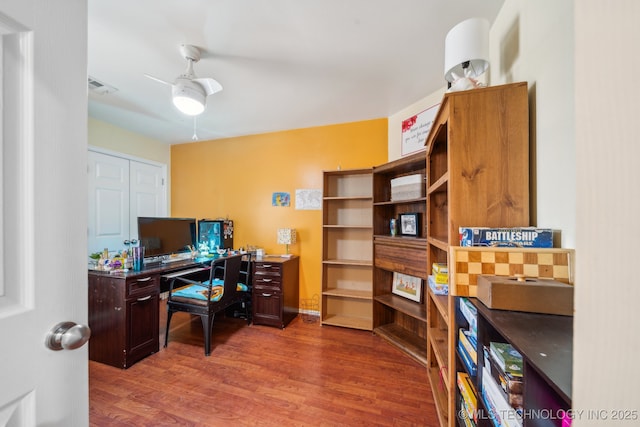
{"x":235,"y":178}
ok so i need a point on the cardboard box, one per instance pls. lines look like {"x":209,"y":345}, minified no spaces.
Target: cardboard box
{"x":532,"y":295}
{"x":407,"y":187}
{"x":519,"y":237}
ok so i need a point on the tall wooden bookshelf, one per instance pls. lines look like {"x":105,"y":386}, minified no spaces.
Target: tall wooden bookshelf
{"x":347,"y":251}
{"x":477,"y":175}
{"x":400,"y":321}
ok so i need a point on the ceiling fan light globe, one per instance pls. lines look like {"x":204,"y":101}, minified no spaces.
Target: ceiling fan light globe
{"x":188,"y":99}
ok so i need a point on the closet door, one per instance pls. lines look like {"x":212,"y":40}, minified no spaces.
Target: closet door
{"x":108,"y":225}
{"x":121,"y":190}
{"x":147,"y":193}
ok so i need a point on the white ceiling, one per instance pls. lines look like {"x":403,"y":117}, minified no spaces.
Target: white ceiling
{"x":284,"y":64}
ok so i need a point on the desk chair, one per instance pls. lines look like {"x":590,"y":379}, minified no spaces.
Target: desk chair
{"x":206,"y":298}
{"x":242,"y":309}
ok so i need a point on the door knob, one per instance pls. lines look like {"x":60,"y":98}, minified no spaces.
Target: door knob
{"x":67,"y":336}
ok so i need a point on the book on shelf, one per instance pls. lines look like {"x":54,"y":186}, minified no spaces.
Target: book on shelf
{"x":467,"y":391}
{"x":471,"y":366}
{"x":500,"y":409}
{"x":511,"y":387}
{"x":469,"y":343}
{"x":464,"y":415}
{"x":440,"y":267}
{"x":470,"y":314}
{"x":438,"y":288}
{"x":440,"y":278}
{"x":507,"y":357}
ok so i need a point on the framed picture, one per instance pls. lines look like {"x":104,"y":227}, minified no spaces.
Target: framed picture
{"x":416,"y":129}
{"x":406,"y":286}
{"x":409,"y":224}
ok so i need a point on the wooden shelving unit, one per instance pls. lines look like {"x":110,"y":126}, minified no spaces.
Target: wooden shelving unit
{"x":477,"y":176}
{"x":547,"y":362}
{"x":347,"y":252}
{"x":400,"y":321}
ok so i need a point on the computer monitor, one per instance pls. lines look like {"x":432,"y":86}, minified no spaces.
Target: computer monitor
{"x":166,"y":236}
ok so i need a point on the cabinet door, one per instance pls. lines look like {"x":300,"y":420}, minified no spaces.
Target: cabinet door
{"x":267,"y":308}
{"x":142,"y":328}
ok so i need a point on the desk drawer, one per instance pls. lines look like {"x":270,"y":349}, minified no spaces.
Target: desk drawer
{"x":143,"y":285}
{"x":268,"y":268}
{"x":264,"y":281}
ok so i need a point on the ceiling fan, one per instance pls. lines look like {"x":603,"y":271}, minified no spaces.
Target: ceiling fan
{"x":189,"y":92}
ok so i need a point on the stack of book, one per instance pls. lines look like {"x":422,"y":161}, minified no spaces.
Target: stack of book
{"x":439,"y":279}
{"x":468,"y":337}
{"x":468,"y":401}
{"x":502,"y":383}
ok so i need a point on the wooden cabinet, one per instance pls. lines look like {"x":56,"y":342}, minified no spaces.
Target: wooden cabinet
{"x":545,"y":343}
{"x":275,"y":300}
{"x":347,"y":250}
{"x":400,"y":321}
{"x":477,"y":175}
{"x":123,"y":317}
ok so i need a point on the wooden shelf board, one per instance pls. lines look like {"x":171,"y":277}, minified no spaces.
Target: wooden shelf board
{"x":398,"y":202}
{"x":348,"y":322}
{"x":339,"y":226}
{"x":408,"y":342}
{"x":439,"y":184}
{"x":440,"y":395}
{"x":442,"y":304}
{"x":418,"y":242}
{"x":438,"y":339}
{"x":352,"y":262}
{"x":405,"y":164}
{"x":403,"y":305}
{"x":348,"y":293}
{"x":439,"y":242}
{"x":364,"y":197}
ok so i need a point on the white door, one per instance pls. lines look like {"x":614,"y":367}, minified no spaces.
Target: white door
{"x":121,"y":190}
{"x":43,"y":210}
{"x":148,"y":196}
{"x":108,"y":178}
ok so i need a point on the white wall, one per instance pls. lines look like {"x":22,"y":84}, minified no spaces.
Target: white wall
{"x":606,"y":346}
{"x":533,"y":41}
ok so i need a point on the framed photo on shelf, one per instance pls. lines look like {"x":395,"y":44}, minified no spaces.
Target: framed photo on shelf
{"x":406,"y":286}
{"x":409,"y":224}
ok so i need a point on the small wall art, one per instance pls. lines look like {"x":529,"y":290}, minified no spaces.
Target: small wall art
{"x":280,"y":199}
{"x":416,"y":129}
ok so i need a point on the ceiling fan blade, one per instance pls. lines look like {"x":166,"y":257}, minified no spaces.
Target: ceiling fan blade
{"x":210,"y":85}
{"x":158,"y":80}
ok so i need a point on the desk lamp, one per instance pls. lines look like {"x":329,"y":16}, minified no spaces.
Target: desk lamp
{"x":286,"y":236}
{"x":466,"y":54}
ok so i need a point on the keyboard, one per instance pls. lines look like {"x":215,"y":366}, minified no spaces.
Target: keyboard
{"x":184,"y":272}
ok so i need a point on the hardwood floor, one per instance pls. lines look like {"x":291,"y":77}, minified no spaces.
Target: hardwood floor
{"x":304,"y":375}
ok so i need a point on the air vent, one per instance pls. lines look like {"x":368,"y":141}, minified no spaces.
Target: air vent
{"x":96,"y":86}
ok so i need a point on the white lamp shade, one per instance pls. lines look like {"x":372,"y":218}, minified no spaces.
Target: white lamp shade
{"x":286,"y":236}
{"x":188,"y":97}
{"x":467,"y":41}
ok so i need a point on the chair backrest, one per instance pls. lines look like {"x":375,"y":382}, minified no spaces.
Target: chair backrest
{"x":246,"y":269}
{"x":231,"y":265}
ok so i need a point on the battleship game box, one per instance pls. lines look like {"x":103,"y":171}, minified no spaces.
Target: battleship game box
{"x":520,"y":237}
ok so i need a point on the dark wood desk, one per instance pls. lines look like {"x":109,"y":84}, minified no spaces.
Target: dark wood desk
{"x":124,"y":310}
